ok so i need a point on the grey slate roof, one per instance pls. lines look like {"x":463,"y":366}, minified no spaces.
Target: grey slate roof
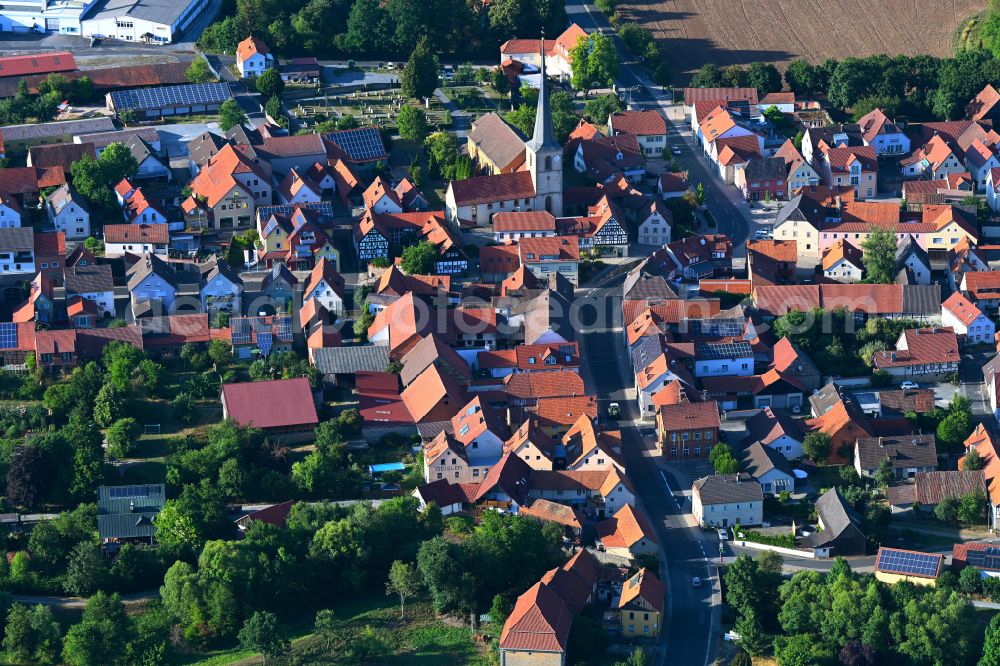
{"x":902,"y":451}
{"x":824,"y":399}
{"x":204,"y":146}
{"x":759,"y":460}
{"x":638,"y":287}
{"x":65,"y":195}
{"x":493,"y":136}
{"x":17,"y":239}
{"x":768,"y":168}
{"x":801,"y":209}
{"x":908,"y":246}
{"x":158,"y":11}
{"x":13,"y":133}
{"x":835,"y":515}
{"x":922,"y":299}
{"x":140,"y":149}
{"x":728,"y":488}
{"x":348,"y":360}
{"x":214,"y":267}
{"x":89,"y":279}
{"x":128,"y":511}
{"x":549,"y":310}
{"x":647,"y":350}
{"x":104,"y":139}
{"x":147,"y":265}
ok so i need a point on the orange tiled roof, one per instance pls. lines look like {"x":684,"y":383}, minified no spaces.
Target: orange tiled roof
{"x":625,"y":529}
{"x":250,"y":47}
{"x":963,"y":310}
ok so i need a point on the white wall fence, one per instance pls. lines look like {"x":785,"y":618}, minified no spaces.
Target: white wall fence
{"x":792,"y":552}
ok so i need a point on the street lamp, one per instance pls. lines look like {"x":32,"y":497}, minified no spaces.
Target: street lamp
{"x":721,"y":550}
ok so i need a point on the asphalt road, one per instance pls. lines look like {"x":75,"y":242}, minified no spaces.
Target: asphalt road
{"x":693,"y":613}
{"x":722,"y":200}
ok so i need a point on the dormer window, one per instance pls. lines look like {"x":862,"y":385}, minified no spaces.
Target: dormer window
{"x":531,"y":360}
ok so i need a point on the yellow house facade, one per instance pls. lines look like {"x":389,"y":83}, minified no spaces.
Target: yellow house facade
{"x":640,"y":608}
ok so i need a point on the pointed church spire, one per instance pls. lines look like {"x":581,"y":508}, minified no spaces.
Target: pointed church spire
{"x":544,"y":136}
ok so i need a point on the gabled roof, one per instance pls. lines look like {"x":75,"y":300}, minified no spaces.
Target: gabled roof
{"x":639,"y":123}
{"x":430,"y":350}
{"x":961,"y":308}
{"x":37,"y":63}
{"x":324,"y":271}
{"x":842,"y":251}
{"x":540,"y":622}
{"x":625,"y":529}
{"x":136,"y":233}
{"x":766,"y":426}
{"x":689,"y":416}
{"x":646,"y":587}
{"x":431,"y":388}
{"x":836,"y":516}
{"x":875,"y":122}
{"x":271,"y":404}
{"x":983,"y":103}
{"x":534,"y":385}
{"x":476,"y":418}
{"x":728,"y":488}
{"x":984,"y":443}
{"x":902,"y":452}
{"x":250,"y":47}
{"x":498,"y":140}
{"x":923,"y":345}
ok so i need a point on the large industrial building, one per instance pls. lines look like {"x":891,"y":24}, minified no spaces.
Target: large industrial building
{"x":149,"y":21}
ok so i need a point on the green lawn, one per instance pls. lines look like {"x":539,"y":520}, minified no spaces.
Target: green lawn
{"x":369,"y":629}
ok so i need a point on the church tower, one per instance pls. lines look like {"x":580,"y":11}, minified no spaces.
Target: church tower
{"x":544,"y":154}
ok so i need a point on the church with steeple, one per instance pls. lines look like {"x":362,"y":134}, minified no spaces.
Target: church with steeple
{"x":538,"y":185}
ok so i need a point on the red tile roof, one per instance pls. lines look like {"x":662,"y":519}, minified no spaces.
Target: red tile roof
{"x":137,"y":233}
{"x":983,"y":103}
{"x":625,"y":529}
{"x":492,"y":189}
{"x":537,"y":220}
{"x":37,"y":63}
{"x":639,"y":123}
{"x":271,"y":404}
{"x":963,"y":310}
{"x":551,"y":248}
{"x":540,"y":622}
{"x":250,"y":47}
{"x":644,"y":585}
{"x":924,"y":345}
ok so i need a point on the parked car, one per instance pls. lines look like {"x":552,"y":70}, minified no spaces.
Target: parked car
{"x":614,"y":410}
{"x":907,"y":385}
{"x":761,"y":234}
{"x":695,"y":582}
{"x":723,"y":534}
{"x":676,"y":150}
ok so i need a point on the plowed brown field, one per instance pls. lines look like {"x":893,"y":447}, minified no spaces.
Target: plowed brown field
{"x":725,"y":32}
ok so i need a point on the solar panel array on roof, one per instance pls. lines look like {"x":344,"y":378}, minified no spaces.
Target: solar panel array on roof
{"x":240,"y":330}
{"x":723,"y":350}
{"x":321,"y":208}
{"x":142,"y":99}
{"x":907,"y":562}
{"x":265,"y":341}
{"x":722,"y":328}
{"x":284,"y":328}
{"x":988,"y":558}
{"x":121,"y":492}
{"x":8,"y":335}
{"x":360,"y":144}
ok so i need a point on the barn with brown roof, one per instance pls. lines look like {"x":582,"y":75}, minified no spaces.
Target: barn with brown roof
{"x":284,"y":408}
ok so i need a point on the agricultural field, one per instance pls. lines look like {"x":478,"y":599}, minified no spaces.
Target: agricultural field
{"x":695,"y":32}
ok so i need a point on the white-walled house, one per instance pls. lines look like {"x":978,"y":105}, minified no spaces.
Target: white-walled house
{"x":993,"y":189}
{"x":883,"y":134}
{"x":723,"y":359}
{"x":968,"y":320}
{"x":221,"y":288}
{"x":253,"y":57}
{"x":326,"y":286}
{"x":655,"y":224}
{"x":68,"y":212}
{"x":152,"y":279}
{"x":770,"y":468}
{"x":10,"y":212}
{"x":980,"y":159}
{"x":724,"y":500}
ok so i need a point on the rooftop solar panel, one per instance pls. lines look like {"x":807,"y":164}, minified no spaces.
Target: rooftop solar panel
{"x":717,"y":327}
{"x":988,"y":558}
{"x":322,"y":208}
{"x":364,"y":143}
{"x":240,"y":327}
{"x":265,"y":340}
{"x":142,"y":99}
{"x":8,"y":335}
{"x":283,"y":326}
{"x":723,"y":350}
{"x":907,"y":562}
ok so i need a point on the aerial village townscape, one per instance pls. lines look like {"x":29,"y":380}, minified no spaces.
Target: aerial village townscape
{"x":499,"y":333}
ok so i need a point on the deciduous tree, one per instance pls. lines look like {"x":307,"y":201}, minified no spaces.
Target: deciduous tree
{"x":405,"y":582}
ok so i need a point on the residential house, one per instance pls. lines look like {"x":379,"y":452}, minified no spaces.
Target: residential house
{"x":648,"y":127}
{"x":800,"y":220}
{"x":656,"y":224}
{"x":253,"y":57}
{"x":261,"y":335}
{"x":127,"y":514}
{"x":604,"y":158}
{"x":537,"y":631}
{"x":985,"y":105}
{"x":433,"y":396}
{"x":770,"y":468}
{"x":968,"y":321}
{"x":40,"y":305}
{"x":226,"y":191}
{"x":380,"y":198}
{"x":50,"y":254}
{"x":842,"y":262}
{"x":743,"y":101}
{"x":993,"y":189}
{"x":154,"y":280}
{"x":641,"y":605}
{"x":856,"y":166}
{"x":771,"y":262}
{"x":817,"y":140}
{"x":777,"y":431}
{"x":283,"y":408}
{"x":513,"y":226}
{"x":221,"y":288}
{"x":726,"y":500}
{"x":326,"y":286}
{"x":555,"y":54}
{"x":17,"y":252}
{"x":68,"y":212}
{"x":798,"y":172}
{"x":895,"y":565}
{"x":687,"y":429}
{"x":908,"y":455}
{"x":660,"y":372}
{"x":137,"y":208}
{"x":556,"y":416}
{"x":762,"y":179}
{"x":495,"y":145}
{"x":276,"y":290}
{"x":921,"y":354}
{"x":982,"y":288}
{"x":934,"y":161}
{"x":93,"y":283}
{"x":150,"y":164}
{"x":791,"y":362}
{"x":883,"y":134}
{"x":700,"y":256}
{"x":10,"y":212}
{"x":980,"y":159}
{"x":723,"y":359}
{"x":913,"y":264}
{"x":838,"y":534}
{"x":136,"y":239}
{"x":296,"y":188}
{"x":627,"y":534}
{"x":770,"y":389}
{"x":545,"y":256}
{"x":985,"y":444}
{"x":672,"y":185}
{"x":296,"y":240}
